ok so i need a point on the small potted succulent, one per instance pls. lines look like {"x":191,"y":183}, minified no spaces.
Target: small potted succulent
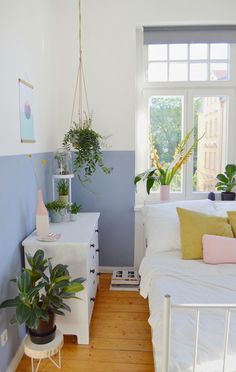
{"x":41,"y":296}
{"x":74,"y":210}
{"x":57,"y":210}
{"x":63,"y":190}
{"x":227,"y":182}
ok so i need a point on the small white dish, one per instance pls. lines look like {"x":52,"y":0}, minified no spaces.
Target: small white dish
{"x":51,"y":237}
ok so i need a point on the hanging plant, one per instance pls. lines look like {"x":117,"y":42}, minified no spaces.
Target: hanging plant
{"x":86,"y":145}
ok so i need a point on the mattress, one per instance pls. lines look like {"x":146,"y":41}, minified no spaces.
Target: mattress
{"x":190,"y":281}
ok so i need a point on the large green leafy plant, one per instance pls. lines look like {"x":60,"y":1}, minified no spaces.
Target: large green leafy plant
{"x":227,"y":179}
{"x":40,"y":294}
{"x":87,"y":149}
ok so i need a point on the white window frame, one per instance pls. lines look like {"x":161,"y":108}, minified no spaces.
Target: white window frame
{"x":188,"y":89}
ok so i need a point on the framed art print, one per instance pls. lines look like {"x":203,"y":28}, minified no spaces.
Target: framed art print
{"x":26,"y":111}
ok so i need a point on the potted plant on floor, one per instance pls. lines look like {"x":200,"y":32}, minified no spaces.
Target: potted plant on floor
{"x":164,"y":173}
{"x":63,"y":190}
{"x":57,"y":210}
{"x":227,"y":182}
{"x":74,"y":210}
{"x":41,"y":296}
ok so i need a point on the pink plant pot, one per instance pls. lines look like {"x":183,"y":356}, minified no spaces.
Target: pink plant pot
{"x":164,"y":192}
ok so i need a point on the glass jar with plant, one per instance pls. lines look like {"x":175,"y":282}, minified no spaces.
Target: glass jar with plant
{"x":62,"y":162}
{"x":227,"y":182}
{"x":164,"y":173}
{"x":58,"y":210}
{"x":86,"y":144}
{"x":41,"y":296}
{"x":63,"y":190}
{"x":74,"y":210}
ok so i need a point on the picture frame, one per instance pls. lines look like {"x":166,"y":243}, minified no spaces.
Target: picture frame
{"x":26,"y":112}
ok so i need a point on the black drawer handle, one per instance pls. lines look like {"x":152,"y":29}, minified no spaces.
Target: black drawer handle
{"x":92,"y":245}
{"x":98,"y":273}
{"x":92,"y":271}
{"x":92,"y":299}
{"x":96,"y":230}
{"x":98,"y":250}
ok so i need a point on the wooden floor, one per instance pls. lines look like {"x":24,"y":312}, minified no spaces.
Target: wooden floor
{"x":120,"y":338}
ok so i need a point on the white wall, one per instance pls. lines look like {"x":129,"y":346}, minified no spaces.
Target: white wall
{"x":109,"y":36}
{"x":38,"y":44}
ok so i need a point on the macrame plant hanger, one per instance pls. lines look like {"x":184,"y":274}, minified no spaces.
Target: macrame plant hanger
{"x":80,"y":87}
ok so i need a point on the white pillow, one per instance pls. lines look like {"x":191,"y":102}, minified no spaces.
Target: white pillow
{"x":221,"y":208}
{"x":162,"y":223}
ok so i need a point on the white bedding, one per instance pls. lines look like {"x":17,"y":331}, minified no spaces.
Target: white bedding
{"x":190,"y":281}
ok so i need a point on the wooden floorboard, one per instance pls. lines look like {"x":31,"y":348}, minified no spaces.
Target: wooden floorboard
{"x":120,"y":337}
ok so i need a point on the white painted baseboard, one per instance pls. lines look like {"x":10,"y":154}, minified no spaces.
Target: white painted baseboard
{"x":17,"y":358}
{"x":110,"y":269}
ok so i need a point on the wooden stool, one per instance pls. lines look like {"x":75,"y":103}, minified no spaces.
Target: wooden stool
{"x":40,"y":352}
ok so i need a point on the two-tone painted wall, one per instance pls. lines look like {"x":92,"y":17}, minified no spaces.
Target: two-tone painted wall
{"x":39,"y":44}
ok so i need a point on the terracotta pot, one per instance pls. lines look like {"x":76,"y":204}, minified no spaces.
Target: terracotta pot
{"x":45,"y":332}
{"x":164,"y":192}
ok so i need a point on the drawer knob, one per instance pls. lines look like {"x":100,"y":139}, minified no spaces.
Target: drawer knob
{"x":98,"y":250}
{"x":92,"y":245}
{"x":92,"y":299}
{"x":98,"y":273}
{"x":92,"y":271}
{"x":96,"y":230}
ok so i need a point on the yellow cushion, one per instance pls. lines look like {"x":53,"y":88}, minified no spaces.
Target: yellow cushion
{"x":232,"y":220}
{"x":193,"y":225}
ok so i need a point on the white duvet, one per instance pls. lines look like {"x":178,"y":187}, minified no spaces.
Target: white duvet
{"x":189,"y":281}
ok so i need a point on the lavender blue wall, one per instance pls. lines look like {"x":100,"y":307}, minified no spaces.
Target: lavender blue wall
{"x":113,"y":196}
{"x":18,"y":198}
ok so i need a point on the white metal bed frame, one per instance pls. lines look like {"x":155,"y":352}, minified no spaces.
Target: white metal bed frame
{"x":168,"y":306}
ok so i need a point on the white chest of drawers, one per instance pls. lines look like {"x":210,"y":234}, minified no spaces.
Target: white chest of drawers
{"x":77,"y":248}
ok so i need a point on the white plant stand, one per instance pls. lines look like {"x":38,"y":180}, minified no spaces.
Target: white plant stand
{"x":40,"y":352}
{"x":56,"y":177}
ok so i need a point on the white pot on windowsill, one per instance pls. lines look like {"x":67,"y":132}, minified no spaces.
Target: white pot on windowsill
{"x":164,"y":192}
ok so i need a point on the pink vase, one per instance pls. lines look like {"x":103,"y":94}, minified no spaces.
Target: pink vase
{"x":42,"y":220}
{"x":164,"y":192}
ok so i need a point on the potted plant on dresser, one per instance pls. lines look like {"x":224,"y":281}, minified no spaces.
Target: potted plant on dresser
{"x":74,"y":210}
{"x":227,"y":182}
{"x":41,"y":296}
{"x":58,"y":210}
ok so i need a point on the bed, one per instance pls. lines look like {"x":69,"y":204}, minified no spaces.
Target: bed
{"x":192,"y":304}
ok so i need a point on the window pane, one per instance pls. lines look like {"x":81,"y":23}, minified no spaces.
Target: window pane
{"x":218,"y":51}
{"x":165,"y":113}
{"x":210,"y":117}
{"x":178,"y":51}
{"x":178,"y":71}
{"x":198,"y":51}
{"x":157,"y":71}
{"x":157,"y":52}
{"x":219,"y":71}
{"x":198,"y":71}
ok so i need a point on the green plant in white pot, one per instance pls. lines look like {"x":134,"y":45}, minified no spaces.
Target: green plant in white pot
{"x":63,"y":190}
{"x":227,"y":182}
{"x":74,"y":210}
{"x":57,"y":210}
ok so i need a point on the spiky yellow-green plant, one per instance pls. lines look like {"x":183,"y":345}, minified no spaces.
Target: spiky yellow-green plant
{"x":164,"y":173}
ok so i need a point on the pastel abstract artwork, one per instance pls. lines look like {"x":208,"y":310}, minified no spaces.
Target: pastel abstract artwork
{"x":26,"y":111}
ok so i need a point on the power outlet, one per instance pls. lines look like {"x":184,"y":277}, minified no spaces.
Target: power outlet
{"x":4,"y":337}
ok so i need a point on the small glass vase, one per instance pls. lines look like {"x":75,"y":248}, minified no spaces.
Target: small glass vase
{"x":42,"y":220}
{"x":164,"y":193}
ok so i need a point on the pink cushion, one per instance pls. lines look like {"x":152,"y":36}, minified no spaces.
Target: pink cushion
{"x":218,"y":249}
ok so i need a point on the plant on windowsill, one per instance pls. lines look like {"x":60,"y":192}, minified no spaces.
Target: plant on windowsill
{"x":63,"y":190}
{"x":41,"y":296}
{"x":164,"y":173}
{"x":227,"y":182}
{"x":58,"y":209}
{"x":86,"y":144}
